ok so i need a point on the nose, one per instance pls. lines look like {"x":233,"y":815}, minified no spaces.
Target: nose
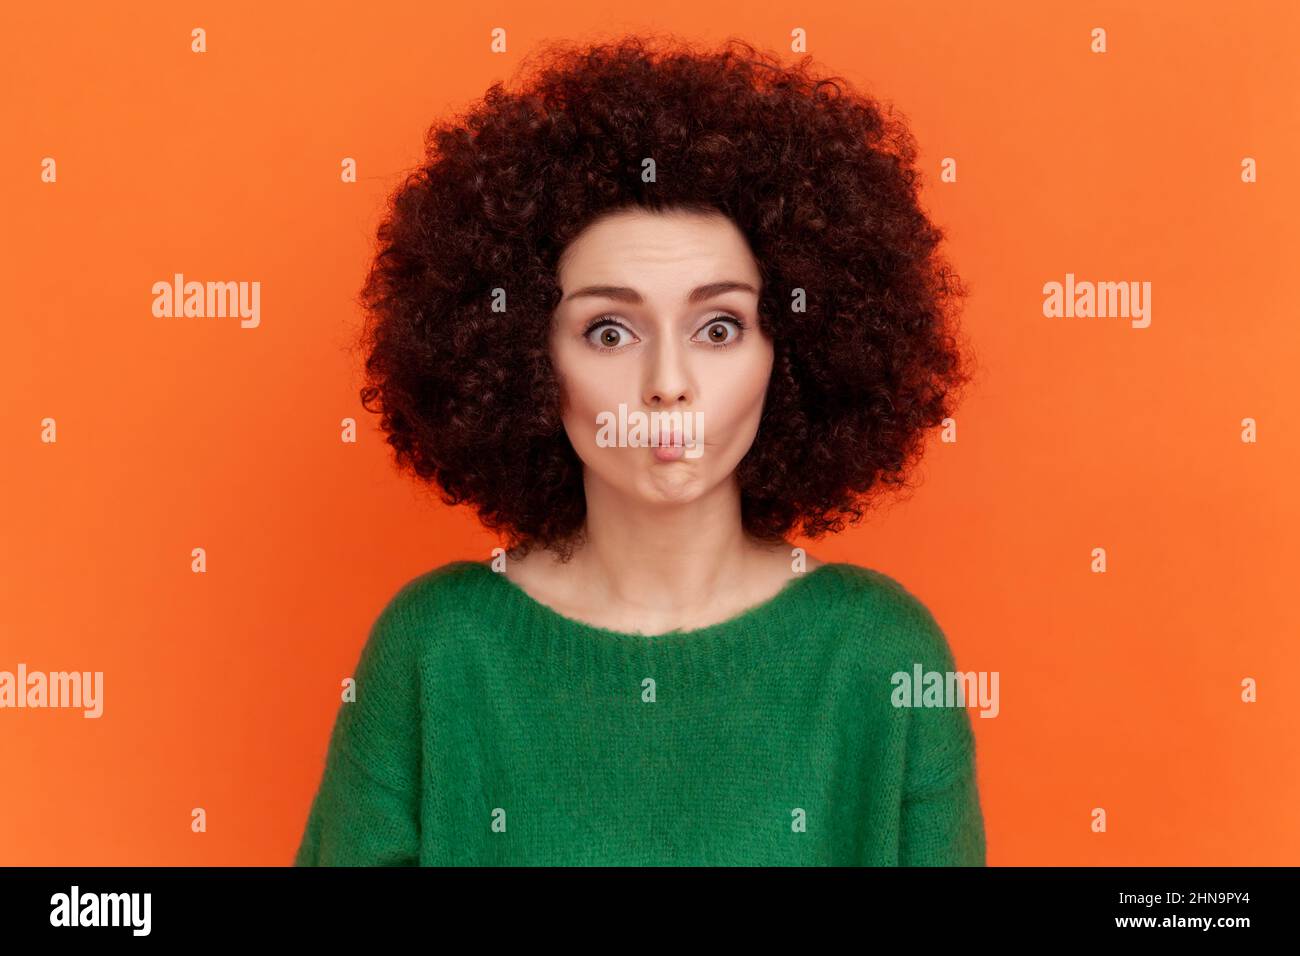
{"x":667,"y":375}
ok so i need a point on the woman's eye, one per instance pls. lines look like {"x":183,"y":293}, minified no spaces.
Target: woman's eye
{"x":608,"y":335}
{"x":716,"y":331}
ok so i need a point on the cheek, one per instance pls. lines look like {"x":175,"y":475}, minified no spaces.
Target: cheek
{"x":757,"y":380}
{"x":588,"y":388}
{"x":742,"y":392}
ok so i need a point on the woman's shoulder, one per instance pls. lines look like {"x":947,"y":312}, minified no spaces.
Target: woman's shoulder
{"x":439,"y":585}
{"x":888,"y":613}
{"x":447,"y":575}
{"x":872,"y":583}
{"x":423,"y":599}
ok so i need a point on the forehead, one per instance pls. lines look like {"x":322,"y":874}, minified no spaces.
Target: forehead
{"x":642,"y":246}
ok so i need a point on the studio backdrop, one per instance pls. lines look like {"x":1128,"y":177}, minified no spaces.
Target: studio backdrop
{"x":202,"y":522}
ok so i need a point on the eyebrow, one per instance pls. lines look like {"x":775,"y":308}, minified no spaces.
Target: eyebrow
{"x":624,"y":294}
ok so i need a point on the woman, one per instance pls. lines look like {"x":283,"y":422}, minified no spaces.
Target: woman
{"x":729,"y":253}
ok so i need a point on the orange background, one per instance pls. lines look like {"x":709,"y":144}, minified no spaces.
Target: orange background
{"x":1122,"y":690}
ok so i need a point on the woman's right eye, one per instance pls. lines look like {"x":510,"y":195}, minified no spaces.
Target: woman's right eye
{"x":607,"y":335}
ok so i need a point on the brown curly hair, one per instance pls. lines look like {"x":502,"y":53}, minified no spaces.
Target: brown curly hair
{"x":818,"y":177}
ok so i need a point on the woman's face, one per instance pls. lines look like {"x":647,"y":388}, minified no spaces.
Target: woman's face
{"x":660,"y":314}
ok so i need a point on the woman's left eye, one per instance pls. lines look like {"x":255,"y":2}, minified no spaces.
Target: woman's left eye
{"x":716,"y":331}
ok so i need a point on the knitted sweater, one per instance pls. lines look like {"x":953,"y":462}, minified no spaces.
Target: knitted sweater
{"x":490,"y":730}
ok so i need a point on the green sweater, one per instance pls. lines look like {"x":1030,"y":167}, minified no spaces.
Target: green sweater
{"x":490,"y":730}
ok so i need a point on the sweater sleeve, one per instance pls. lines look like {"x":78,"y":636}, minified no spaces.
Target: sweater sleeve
{"x":942,"y":823}
{"x":366,"y":811}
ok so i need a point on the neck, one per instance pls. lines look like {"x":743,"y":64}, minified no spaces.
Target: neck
{"x":675,"y":559}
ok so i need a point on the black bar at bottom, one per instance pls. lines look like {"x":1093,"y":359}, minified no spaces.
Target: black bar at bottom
{"x":218,"y":904}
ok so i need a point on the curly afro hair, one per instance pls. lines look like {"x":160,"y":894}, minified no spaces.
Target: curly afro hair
{"x":818,"y":177}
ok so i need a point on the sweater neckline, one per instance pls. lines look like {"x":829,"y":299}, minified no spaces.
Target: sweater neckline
{"x":736,"y":624}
